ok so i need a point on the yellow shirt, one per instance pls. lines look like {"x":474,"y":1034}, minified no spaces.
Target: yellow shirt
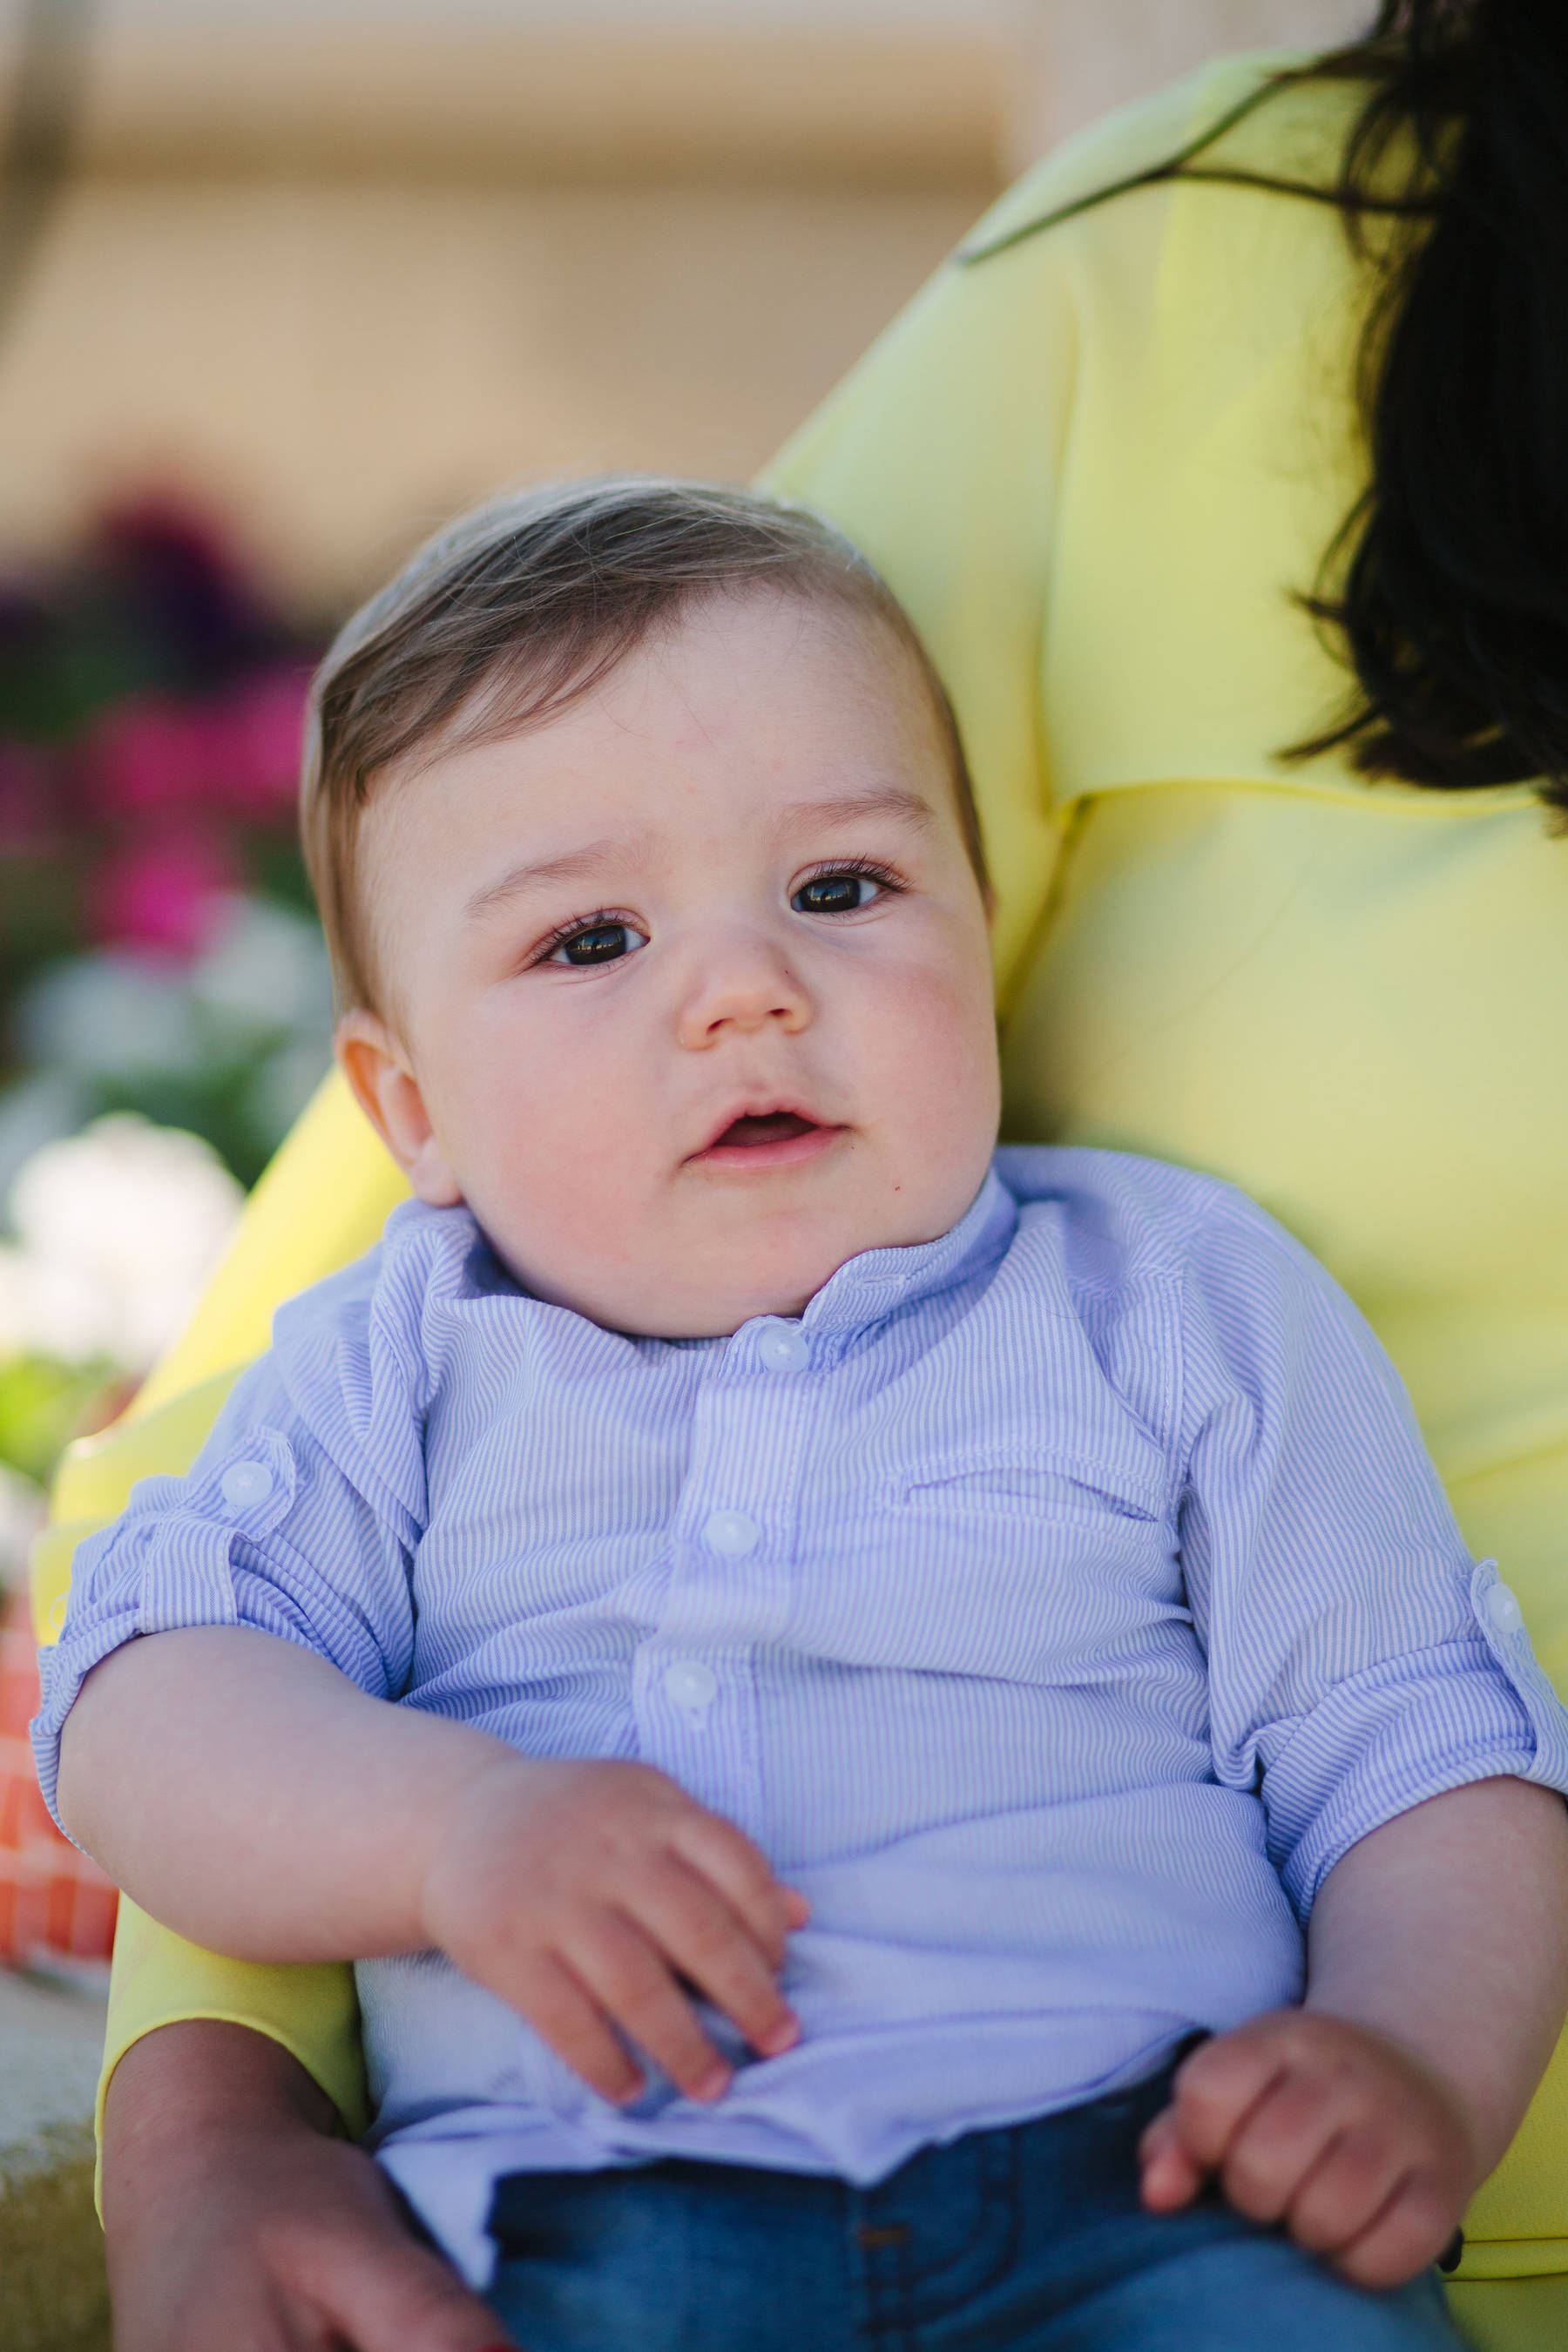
{"x":1098,"y":464}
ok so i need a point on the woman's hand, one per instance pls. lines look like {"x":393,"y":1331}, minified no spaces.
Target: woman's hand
{"x":236,"y":2223}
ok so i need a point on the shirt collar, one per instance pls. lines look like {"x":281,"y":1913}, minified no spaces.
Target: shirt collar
{"x":868,"y":1288}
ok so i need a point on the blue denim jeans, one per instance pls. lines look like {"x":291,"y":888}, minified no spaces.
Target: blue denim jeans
{"x":1030,"y":2239}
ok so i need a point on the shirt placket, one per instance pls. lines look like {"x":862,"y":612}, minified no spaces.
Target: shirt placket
{"x":695,"y":1683}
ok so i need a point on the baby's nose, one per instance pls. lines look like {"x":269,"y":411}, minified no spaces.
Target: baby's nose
{"x":748,"y":989}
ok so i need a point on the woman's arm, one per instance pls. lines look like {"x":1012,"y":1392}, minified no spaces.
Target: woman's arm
{"x":1438,"y":1980}
{"x":233,"y":2216}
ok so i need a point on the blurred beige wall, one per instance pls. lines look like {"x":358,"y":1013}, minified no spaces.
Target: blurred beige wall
{"x":1091,"y":55}
{"x":340,"y":270}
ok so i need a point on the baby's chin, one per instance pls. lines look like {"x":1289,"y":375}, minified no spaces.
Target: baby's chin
{"x":682,"y":1301}
{"x":653,"y":1311}
{"x":712,"y":1297}
{"x":701,"y":1268}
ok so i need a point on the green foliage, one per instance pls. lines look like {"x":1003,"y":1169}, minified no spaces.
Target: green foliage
{"x":44,"y":1404}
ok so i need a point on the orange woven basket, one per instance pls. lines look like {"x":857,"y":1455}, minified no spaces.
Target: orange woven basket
{"x":55,"y":1903}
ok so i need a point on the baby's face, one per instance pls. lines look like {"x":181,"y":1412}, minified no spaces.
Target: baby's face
{"x":690,"y":994}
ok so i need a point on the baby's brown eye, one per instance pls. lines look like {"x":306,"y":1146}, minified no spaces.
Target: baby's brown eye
{"x":599,"y":943}
{"x":834,"y":894}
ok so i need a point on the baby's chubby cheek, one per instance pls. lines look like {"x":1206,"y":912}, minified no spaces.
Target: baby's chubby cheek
{"x":925,"y":1129}
{"x":932,"y":1071}
{"x":563,"y":1195}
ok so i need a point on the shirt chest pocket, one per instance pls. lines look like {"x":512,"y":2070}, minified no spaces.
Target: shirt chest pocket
{"x":1004,"y":1561}
{"x":1032,"y":1483}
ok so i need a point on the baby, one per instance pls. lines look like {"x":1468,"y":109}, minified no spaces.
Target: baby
{"x":902,"y":1735}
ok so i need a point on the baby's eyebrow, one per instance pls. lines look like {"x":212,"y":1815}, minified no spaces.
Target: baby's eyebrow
{"x":597,"y":857}
{"x":577,"y":865}
{"x":891,"y":799}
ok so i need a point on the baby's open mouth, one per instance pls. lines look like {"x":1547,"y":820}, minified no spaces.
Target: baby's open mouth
{"x":761,"y":1126}
{"x":758,"y":1140}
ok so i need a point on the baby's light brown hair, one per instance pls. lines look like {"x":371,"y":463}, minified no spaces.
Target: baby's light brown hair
{"x":528,"y":602}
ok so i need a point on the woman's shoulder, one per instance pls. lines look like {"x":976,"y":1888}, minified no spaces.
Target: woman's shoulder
{"x":1249,"y":112}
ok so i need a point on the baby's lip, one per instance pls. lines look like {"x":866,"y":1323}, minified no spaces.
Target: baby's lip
{"x":765,"y":1129}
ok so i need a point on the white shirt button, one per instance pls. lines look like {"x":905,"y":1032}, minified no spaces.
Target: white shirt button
{"x":783,"y":1349}
{"x":246,"y":1483}
{"x":1504,"y":1611}
{"x":691,"y":1684}
{"x":732,"y":1533}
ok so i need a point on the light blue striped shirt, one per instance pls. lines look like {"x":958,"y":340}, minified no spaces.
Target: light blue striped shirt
{"x":1054,"y":1603}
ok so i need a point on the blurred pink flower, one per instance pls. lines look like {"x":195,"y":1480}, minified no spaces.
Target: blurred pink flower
{"x":253,"y":744}
{"x":164,"y":895}
{"x":239,"y":752}
{"x":146,"y":755}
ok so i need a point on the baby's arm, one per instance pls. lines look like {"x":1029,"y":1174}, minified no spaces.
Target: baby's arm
{"x":1437,"y":1979}
{"x":249,"y":1795}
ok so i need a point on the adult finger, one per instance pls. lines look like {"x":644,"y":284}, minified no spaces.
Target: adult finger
{"x":315,"y":2257}
{"x":406,"y":2299}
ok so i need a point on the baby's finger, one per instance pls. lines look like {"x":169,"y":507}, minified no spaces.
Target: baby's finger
{"x":1351,"y":2184}
{"x":632,"y":1983}
{"x":561,"y":2009}
{"x":702,"y":1937}
{"x":1280,"y":2141}
{"x":723,"y":1855}
{"x":1218,"y":2087}
{"x":1169,"y":2177}
{"x":1410,"y":2231}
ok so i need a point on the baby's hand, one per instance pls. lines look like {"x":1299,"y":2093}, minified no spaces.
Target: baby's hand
{"x":1363,"y":2154}
{"x":586,"y":1895}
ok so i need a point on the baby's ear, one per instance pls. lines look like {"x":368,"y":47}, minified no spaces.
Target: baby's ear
{"x":376,"y":1066}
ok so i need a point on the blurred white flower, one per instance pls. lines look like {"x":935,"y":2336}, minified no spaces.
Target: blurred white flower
{"x":124,"y":1017}
{"x":118,"y":1229}
{"x":35,"y":1111}
{"x":111,"y":1016}
{"x":283,"y":1084}
{"x":265,"y":971}
{"x":51,"y":1309}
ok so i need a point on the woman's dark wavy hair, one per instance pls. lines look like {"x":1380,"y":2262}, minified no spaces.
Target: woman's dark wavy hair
{"x":1447,"y":582}
{"x":1449,"y":579}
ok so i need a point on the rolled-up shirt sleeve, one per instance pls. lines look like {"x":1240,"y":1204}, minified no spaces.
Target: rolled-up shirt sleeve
{"x":269,"y":1528}
{"x":1360,"y":1661}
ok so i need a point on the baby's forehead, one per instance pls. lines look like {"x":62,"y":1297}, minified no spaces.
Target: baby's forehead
{"x":836,"y":662}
